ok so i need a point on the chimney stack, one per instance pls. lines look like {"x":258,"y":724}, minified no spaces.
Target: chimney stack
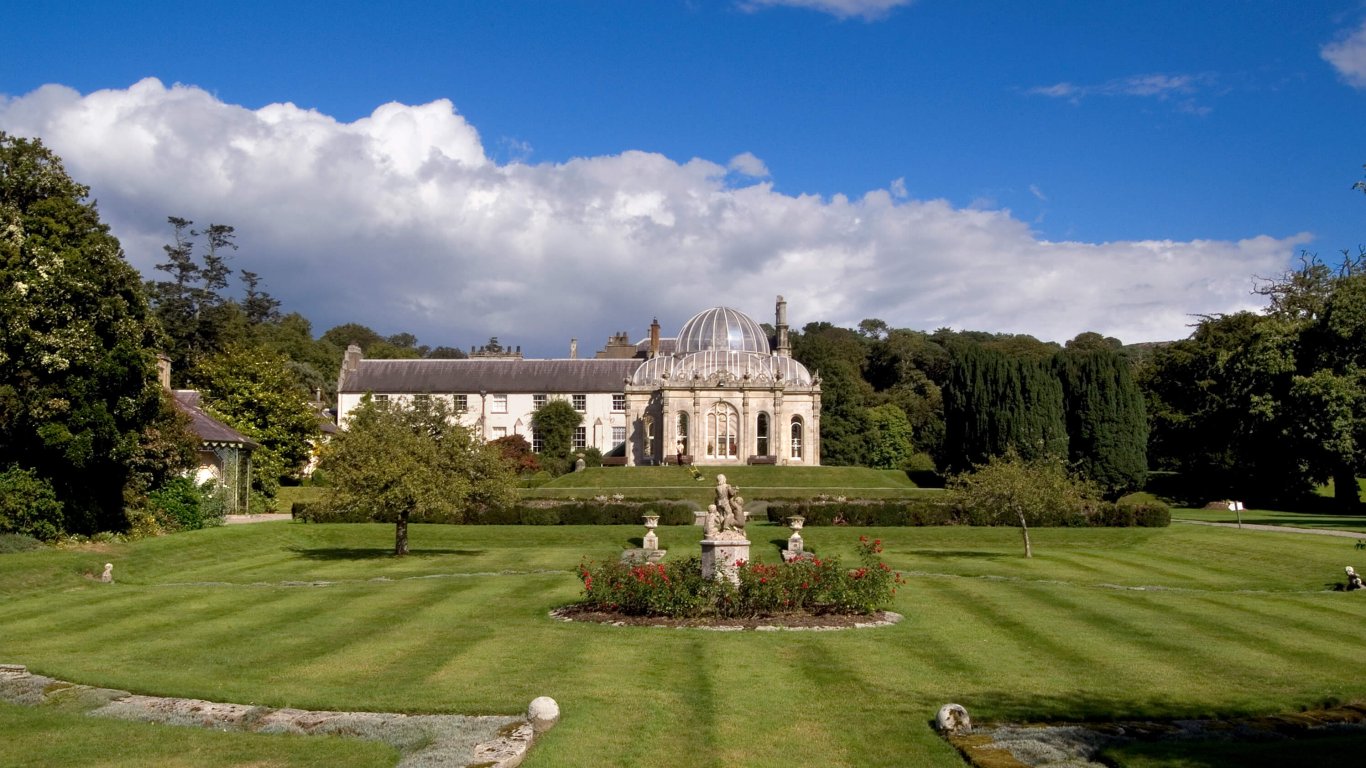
{"x":654,"y":337}
{"x":781,"y":326}
{"x":164,"y":371}
{"x":573,"y":349}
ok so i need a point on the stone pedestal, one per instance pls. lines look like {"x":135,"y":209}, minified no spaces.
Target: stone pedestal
{"x":651,"y":541}
{"x":719,"y":556}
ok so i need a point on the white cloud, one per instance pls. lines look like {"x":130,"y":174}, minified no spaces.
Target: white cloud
{"x":400,"y":221}
{"x":1348,"y":56}
{"x":1155,"y":86}
{"x":866,"y":9}
{"x":746,"y":164}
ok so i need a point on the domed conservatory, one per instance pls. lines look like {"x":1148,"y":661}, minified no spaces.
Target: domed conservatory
{"x":723,"y":396}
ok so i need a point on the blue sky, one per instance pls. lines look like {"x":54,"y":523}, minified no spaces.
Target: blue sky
{"x":1045,"y":167}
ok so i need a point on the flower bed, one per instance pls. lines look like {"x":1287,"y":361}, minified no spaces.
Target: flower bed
{"x":677,"y":589}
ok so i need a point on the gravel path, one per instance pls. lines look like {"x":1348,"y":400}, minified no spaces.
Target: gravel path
{"x":1279,"y":529}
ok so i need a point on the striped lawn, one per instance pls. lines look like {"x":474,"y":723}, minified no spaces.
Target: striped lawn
{"x":1100,"y":624}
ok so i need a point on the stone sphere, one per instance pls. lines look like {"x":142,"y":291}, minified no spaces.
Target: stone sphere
{"x":543,"y":713}
{"x":953,"y":719}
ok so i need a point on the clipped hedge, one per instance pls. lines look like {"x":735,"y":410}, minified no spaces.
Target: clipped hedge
{"x":941,"y":511}
{"x":537,"y":512}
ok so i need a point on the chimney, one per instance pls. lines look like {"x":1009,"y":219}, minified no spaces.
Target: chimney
{"x":350,"y":364}
{"x":164,"y":371}
{"x":573,"y":349}
{"x":654,"y":337}
{"x":781,"y":325}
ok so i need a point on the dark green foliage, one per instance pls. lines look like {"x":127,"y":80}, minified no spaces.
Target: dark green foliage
{"x":18,"y":542}
{"x":28,"y":505}
{"x":198,"y":321}
{"x":186,"y":506}
{"x":993,"y":403}
{"x":862,"y":512}
{"x":1107,"y":424}
{"x":837,"y":355}
{"x":555,"y":423}
{"x":589,"y":512}
{"x":77,"y":373}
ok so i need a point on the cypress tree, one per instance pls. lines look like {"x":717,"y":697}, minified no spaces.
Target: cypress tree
{"x":1107,"y":423}
{"x":993,"y":402}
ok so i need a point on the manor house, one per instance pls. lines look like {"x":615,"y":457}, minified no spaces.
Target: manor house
{"x":716,"y":393}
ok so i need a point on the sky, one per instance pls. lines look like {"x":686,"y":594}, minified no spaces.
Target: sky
{"x":541,"y":171}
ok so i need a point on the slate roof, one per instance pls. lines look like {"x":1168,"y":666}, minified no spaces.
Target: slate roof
{"x":494,"y":376}
{"x":206,"y":427}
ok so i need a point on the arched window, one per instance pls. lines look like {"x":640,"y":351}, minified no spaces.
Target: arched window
{"x":681,"y":440}
{"x":723,"y":431}
{"x":761,"y":434}
{"x":797,"y":437}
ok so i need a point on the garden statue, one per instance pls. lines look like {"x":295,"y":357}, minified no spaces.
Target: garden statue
{"x":1353,"y":580}
{"x":108,"y":576}
{"x":730,"y":506}
{"x":711,"y":524}
{"x":580,"y":464}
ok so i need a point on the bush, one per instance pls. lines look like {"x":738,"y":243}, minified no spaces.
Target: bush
{"x":182,"y":505}
{"x":18,"y":542}
{"x":28,"y":505}
{"x":678,"y":590}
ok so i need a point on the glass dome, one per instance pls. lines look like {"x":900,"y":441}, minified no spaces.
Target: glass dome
{"x":722,"y":328}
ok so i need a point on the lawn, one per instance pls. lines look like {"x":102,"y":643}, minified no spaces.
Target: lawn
{"x":1188,"y":621}
{"x":1275,"y":517}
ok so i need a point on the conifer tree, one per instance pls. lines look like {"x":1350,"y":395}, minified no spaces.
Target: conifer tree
{"x":1107,"y":424}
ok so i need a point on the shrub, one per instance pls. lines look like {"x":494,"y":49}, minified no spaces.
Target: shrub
{"x":864,"y":512}
{"x":678,"y":590}
{"x":182,"y":505}
{"x":28,"y":505}
{"x":18,"y":542}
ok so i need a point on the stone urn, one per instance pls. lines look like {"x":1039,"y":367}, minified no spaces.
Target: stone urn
{"x":651,"y":541}
{"x":796,"y":522}
{"x":795,"y":546}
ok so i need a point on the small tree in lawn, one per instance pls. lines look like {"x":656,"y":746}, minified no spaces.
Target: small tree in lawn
{"x":394,"y":462}
{"x":1009,"y":489}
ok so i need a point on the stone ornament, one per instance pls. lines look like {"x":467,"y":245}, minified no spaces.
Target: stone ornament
{"x":543,"y":713}
{"x":1353,"y":580}
{"x":108,"y":576}
{"x":953,"y":720}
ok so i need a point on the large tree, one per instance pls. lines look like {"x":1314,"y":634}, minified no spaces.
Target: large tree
{"x":555,"y":423}
{"x":395,"y":464}
{"x":994,"y":402}
{"x":77,"y":369}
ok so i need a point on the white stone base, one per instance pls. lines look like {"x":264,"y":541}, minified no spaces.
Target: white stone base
{"x":719,"y":558}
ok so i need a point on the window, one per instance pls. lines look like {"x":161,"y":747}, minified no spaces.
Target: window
{"x":422,"y":399}
{"x":580,"y":403}
{"x":580,"y":438}
{"x":537,"y":401}
{"x":498,"y":404}
{"x":381,"y":398}
{"x":537,"y":444}
{"x":681,"y":441}
{"x":618,"y":436}
{"x":618,"y":402}
{"x":500,"y":432}
{"x":723,"y":431}
{"x":462,"y":402}
{"x":761,"y":434}
{"x":796,"y":437}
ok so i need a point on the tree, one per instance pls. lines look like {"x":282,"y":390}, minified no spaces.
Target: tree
{"x":394,"y":463}
{"x":1010,"y":489}
{"x":555,"y":423}
{"x":1107,"y":425}
{"x":197,"y":318}
{"x":252,"y":390}
{"x":993,"y":403}
{"x":77,"y":373}
{"x":889,"y":438}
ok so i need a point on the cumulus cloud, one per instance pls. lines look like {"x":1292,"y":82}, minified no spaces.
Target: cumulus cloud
{"x":401,"y":221}
{"x":1348,"y":56}
{"x":866,"y":9}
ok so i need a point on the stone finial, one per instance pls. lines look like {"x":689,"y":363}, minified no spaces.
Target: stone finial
{"x":953,"y":720}
{"x":543,"y":713}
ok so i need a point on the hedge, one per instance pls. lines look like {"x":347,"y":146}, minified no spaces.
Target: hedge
{"x":536,"y":512}
{"x":942,"y":511}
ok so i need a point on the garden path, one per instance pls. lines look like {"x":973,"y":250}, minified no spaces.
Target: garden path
{"x":1279,"y":528}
